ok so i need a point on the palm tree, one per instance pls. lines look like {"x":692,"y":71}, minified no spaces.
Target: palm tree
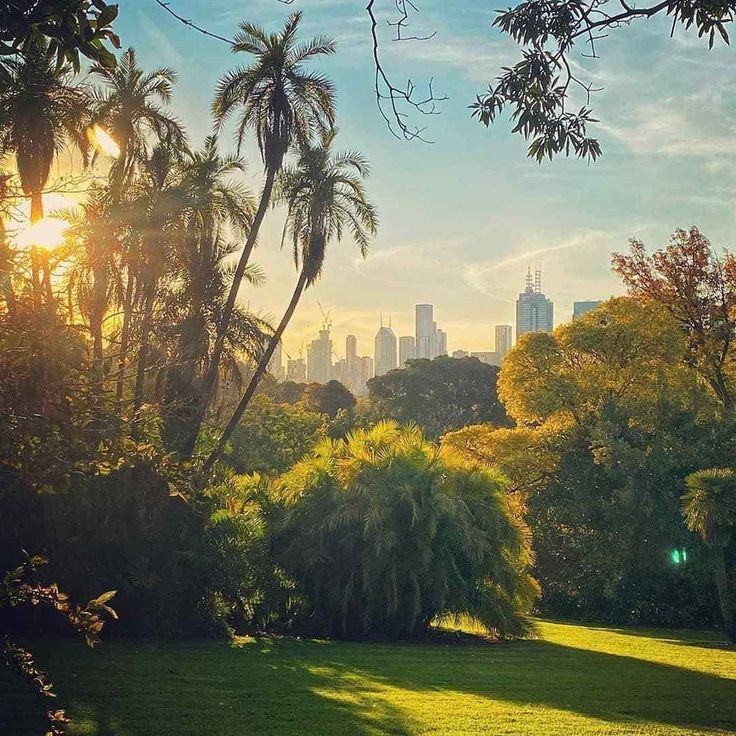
{"x":129,"y":104}
{"x":282,"y":104}
{"x":41,"y":112}
{"x":709,"y":508}
{"x":325,"y":197}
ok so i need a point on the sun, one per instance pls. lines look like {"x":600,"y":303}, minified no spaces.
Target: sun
{"x":103,"y":141}
{"x":47,"y":233}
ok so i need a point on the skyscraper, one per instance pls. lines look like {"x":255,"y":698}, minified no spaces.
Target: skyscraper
{"x":440,"y":343}
{"x":275,"y":365}
{"x":534,"y":312}
{"x":366,"y":369}
{"x":385,"y":351}
{"x":424,"y":330}
{"x":296,"y":370}
{"x":580,"y":308}
{"x":319,"y":358}
{"x":407,"y":349}
{"x":351,"y":352}
{"x":503,"y":340}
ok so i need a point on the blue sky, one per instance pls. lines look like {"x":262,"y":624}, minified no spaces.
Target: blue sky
{"x":461,"y":219}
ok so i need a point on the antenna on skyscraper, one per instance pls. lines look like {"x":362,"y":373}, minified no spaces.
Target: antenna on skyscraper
{"x":529,"y":278}
{"x":538,"y":278}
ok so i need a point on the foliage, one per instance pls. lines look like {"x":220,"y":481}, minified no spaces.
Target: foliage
{"x":20,"y":590}
{"x":330,"y":398}
{"x":384,"y":532}
{"x":271,"y":437}
{"x":439,"y":395}
{"x":70,"y":27}
{"x":539,"y":89}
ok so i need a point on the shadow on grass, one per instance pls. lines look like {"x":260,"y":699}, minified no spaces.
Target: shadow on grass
{"x":289,"y":687}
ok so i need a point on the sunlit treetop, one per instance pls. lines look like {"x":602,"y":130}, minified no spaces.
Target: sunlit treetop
{"x":72,"y":28}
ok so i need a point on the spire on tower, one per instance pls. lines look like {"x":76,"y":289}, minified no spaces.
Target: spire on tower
{"x":538,"y":279}
{"x":529,"y":279}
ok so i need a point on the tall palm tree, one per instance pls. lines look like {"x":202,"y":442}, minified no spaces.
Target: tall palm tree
{"x":709,"y":508}
{"x":282,"y":104}
{"x":130,"y":104}
{"x":325,"y":198}
{"x":41,"y":112}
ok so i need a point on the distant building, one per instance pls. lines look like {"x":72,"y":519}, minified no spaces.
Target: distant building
{"x":424,"y":330}
{"x":441,"y":338}
{"x":534,"y":312}
{"x":407,"y":349}
{"x":351,"y":352}
{"x":580,"y":308}
{"x":296,"y":370}
{"x":460,"y":354}
{"x":366,"y":369}
{"x":385,"y":351}
{"x":275,"y":365}
{"x":319,"y":358}
{"x":503,"y":340}
{"x":490,"y":358}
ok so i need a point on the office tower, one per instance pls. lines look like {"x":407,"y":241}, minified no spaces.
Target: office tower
{"x":424,"y":331}
{"x":440,"y":343}
{"x":407,"y":349}
{"x":503,"y":339}
{"x":457,"y":354}
{"x":580,"y":308}
{"x":319,"y":358}
{"x":534,"y":312}
{"x":275,"y":365}
{"x":351,"y":352}
{"x":366,"y":369}
{"x":296,"y":370}
{"x":385,"y":351}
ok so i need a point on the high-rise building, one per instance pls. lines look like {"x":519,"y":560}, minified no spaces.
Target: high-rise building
{"x":366,"y":369}
{"x":534,"y":312}
{"x":580,"y":308}
{"x":440,"y":342}
{"x":407,"y":349}
{"x":503,"y":339}
{"x":385,"y":351}
{"x":275,"y":365}
{"x":424,"y":330}
{"x":351,"y":351}
{"x":296,"y":370}
{"x":319,"y":358}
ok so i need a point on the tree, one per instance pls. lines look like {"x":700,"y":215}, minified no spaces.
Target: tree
{"x":439,"y":395}
{"x":538,"y":89}
{"x":329,"y":398}
{"x":325,"y":199}
{"x":699,"y":291}
{"x":283,"y":105}
{"x":709,"y":508}
{"x":70,"y":28}
{"x":385,"y":533}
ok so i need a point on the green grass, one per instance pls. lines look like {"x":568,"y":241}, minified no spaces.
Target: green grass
{"x":574,"y":681}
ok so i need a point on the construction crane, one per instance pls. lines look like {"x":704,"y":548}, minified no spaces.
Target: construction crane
{"x":326,"y":321}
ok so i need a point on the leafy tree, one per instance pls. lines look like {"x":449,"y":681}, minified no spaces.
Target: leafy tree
{"x":283,"y":105}
{"x":70,"y":28}
{"x":439,"y":395}
{"x":699,"y":291}
{"x":329,"y":398}
{"x":709,"y":508}
{"x":272,"y":437}
{"x":384,"y":532}
{"x":539,"y":88}
{"x":325,"y":198}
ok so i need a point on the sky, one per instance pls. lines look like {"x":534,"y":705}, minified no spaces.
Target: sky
{"x":464,"y":216}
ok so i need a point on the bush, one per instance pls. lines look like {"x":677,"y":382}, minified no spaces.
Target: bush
{"x":383,"y":532}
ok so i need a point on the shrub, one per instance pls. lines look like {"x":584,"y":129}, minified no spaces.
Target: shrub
{"x":383,"y":532}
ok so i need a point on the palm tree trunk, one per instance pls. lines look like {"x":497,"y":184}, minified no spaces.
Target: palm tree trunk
{"x":255,"y":380}
{"x":724,"y":594}
{"x":124,"y":340}
{"x":211,"y":376}
{"x":140,"y":375}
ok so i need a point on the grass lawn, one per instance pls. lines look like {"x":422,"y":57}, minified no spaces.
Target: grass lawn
{"x":573,"y":681}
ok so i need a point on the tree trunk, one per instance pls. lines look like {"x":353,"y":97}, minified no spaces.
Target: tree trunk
{"x":124,"y":339}
{"x":724,"y":594}
{"x":146,"y":324}
{"x":214,"y":366}
{"x":255,"y":380}
{"x":36,"y":215}
{"x":97,"y":313}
